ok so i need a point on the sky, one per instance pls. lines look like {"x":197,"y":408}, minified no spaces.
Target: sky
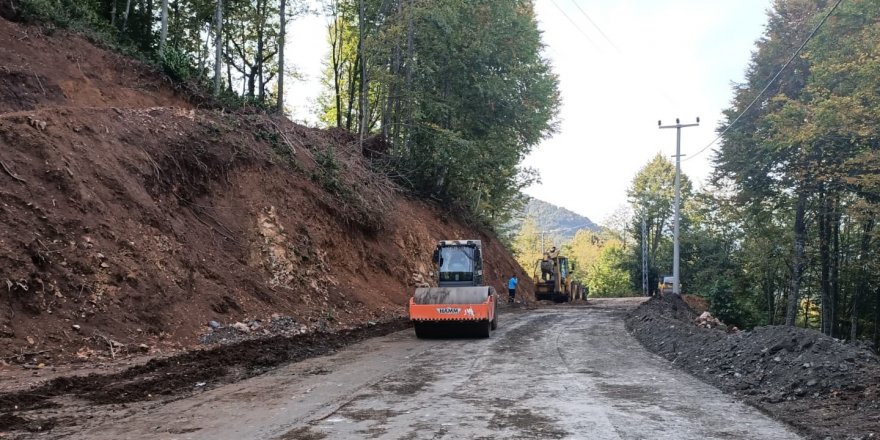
{"x":622,"y":66}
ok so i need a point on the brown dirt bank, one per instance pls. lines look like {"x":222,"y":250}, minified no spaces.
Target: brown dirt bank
{"x":130,"y":219}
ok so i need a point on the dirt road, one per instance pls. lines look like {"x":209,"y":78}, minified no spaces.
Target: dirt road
{"x":565,"y":372}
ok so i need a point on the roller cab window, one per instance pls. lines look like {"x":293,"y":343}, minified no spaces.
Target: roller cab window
{"x":456,"y":263}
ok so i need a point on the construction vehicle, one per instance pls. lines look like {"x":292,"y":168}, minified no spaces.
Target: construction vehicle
{"x":460,"y":304}
{"x":558,"y":287}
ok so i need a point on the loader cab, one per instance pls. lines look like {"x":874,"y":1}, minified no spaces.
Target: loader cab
{"x":459,"y":263}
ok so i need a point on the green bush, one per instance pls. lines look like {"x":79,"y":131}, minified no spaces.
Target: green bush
{"x":176,"y":64}
{"x":327,"y":173}
{"x":68,"y":14}
{"x":722,"y":303}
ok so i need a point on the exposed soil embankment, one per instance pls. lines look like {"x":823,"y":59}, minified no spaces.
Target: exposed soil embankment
{"x":131,"y":220}
{"x":823,"y":387}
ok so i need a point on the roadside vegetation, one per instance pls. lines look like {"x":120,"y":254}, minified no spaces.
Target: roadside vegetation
{"x":446,"y":97}
{"x":785,"y":231}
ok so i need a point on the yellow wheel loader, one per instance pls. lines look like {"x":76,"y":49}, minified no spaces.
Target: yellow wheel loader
{"x":555,"y":282}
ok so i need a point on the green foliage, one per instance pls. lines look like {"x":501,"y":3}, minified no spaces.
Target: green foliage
{"x":807,"y":150}
{"x":79,"y":16}
{"x":250,"y":39}
{"x":458,"y":88}
{"x":607,"y":276}
{"x":327,"y":174}
{"x":176,"y":64}
{"x":722,"y":303}
{"x":652,"y":199}
{"x":527,"y":246}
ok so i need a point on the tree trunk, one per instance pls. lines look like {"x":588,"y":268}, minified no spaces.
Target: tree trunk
{"x":125,"y":15}
{"x":807,"y":313}
{"x":835,"y":265}
{"x":336,"y":61}
{"x":148,"y":23}
{"x":797,"y":260}
{"x":825,"y":263}
{"x":352,"y":92}
{"x":228,"y":65}
{"x":174,"y":26}
{"x":864,"y":277}
{"x":261,"y":20}
{"x":218,"y":35}
{"x":281,"y":35}
{"x":113,"y":13}
{"x":877,"y":318}
{"x":364,"y":79}
{"x":163,"y":31}
{"x":771,"y":303}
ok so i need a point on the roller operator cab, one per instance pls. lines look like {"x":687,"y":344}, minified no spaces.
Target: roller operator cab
{"x":461,"y":303}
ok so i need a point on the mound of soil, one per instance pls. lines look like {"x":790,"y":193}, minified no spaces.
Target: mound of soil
{"x":130,"y":219}
{"x":823,"y":387}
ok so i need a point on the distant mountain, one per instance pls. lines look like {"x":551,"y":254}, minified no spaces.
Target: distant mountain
{"x":561,"y":224}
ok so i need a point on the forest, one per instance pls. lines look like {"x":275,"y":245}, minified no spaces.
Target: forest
{"x":784,"y":231}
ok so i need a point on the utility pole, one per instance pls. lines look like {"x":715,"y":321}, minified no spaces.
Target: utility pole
{"x":644,"y":258}
{"x":676,"y":284}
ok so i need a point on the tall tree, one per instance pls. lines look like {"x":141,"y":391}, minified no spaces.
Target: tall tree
{"x":282,"y":18}
{"x":163,"y":33}
{"x":218,"y":47}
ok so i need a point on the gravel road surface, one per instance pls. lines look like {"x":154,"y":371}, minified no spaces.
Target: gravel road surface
{"x":551,"y":373}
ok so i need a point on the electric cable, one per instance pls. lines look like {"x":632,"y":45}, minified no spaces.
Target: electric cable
{"x":773,"y":80}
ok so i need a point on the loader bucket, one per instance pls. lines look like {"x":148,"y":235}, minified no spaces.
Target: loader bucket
{"x":453,"y":311}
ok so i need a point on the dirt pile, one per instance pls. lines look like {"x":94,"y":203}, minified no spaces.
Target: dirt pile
{"x":131,"y":220}
{"x":822,"y":386}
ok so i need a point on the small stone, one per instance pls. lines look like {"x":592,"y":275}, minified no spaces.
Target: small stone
{"x":242,"y":327}
{"x":214,"y":324}
{"x":105,"y":265}
{"x":30,"y":340}
{"x":76,"y":327}
{"x":777,"y":359}
{"x":101,"y":256}
{"x":812,"y":382}
{"x":144,"y":347}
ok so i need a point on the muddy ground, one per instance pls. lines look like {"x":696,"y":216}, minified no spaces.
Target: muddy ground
{"x":555,"y":372}
{"x":824,"y":387}
{"x":174,"y":377}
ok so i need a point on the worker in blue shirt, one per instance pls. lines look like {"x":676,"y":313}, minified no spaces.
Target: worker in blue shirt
{"x":511,"y":288}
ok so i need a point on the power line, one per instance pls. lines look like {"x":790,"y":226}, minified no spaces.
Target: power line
{"x":575,"y":24}
{"x":596,"y":26}
{"x":775,"y":77}
{"x":621,"y":56}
